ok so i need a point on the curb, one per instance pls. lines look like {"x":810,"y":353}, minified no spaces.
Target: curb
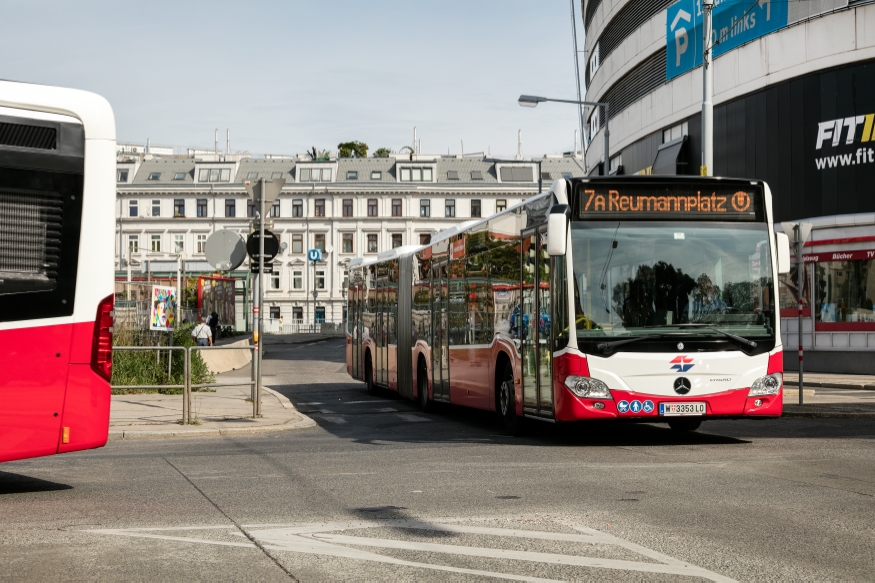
{"x":304,"y":423}
{"x":832,"y":385}
{"x":828,"y":414}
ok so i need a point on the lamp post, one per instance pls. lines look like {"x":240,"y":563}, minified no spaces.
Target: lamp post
{"x":534,"y":100}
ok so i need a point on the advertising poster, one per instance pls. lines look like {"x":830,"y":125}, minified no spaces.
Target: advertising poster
{"x":163,"y":316}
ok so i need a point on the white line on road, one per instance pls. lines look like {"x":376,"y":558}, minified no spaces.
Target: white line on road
{"x":385,"y":410}
{"x":335,"y":420}
{"x":411,"y":418}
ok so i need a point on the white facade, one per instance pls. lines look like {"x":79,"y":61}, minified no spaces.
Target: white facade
{"x":346,"y":207}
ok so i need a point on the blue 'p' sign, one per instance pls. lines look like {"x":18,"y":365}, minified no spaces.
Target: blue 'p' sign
{"x":314,"y":254}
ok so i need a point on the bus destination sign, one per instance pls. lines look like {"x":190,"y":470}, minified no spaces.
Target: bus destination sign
{"x":670,"y":202}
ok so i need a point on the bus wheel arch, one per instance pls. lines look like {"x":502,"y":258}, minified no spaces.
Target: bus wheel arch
{"x":425,"y":403}
{"x":369,"y":373}
{"x":505,"y":395}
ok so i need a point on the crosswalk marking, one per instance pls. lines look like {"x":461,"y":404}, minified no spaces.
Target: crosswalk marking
{"x":409,"y":417}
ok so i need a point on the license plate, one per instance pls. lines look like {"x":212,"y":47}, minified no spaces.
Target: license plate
{"x":677,"y":409}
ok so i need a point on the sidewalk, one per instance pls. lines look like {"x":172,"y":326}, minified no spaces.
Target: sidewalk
{"x":223,"y":412}
{"x":825,"y":395}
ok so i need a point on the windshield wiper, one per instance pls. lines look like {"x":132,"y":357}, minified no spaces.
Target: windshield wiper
{"x":615,"y":343}
{"x":729,"y":335}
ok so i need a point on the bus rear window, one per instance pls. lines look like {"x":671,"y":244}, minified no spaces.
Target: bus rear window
{"x":30,"y":240}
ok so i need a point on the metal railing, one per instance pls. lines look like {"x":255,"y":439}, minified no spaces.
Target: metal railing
{"x":187,"y":385}
{"x":334,"y":328}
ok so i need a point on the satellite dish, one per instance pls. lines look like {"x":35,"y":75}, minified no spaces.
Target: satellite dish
{"x":225,"y":250}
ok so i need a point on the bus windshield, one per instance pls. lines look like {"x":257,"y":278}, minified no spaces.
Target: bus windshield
{"x":672,"y":281}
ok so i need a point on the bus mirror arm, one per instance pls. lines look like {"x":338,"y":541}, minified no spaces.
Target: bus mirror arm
{"x":557,"y":229}
{"x":782,"y":244}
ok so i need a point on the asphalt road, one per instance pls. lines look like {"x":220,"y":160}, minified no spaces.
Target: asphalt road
{"x":382,"y":491}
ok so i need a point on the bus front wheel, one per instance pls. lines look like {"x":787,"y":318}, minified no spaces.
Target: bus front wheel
{"x":684,"y":424}
{"x":507,"y":402}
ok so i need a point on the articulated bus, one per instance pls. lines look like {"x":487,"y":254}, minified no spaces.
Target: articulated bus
{"x":648,"y":299}
{"x":57,"y":194}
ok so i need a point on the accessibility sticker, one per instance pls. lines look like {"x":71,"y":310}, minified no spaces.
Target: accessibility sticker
{"x":648,"y":406}
{"x":635,"y":406}
{"x":623,"y":407}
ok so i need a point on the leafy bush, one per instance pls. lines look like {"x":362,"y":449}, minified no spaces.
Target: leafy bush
{"x":149,"y":367}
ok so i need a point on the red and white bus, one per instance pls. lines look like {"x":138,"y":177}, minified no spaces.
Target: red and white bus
{"x":57,"y":190}
{"x":650,"y":299}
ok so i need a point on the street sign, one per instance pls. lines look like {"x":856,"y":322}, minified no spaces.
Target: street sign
{"x":314,"y":255}
{"x":225,"y":250}
{"x":254,"y":225}
{"x":268,"y":267}
{"x":272,"y":189}
{"x":271,"y":246}
{"x":790,"y":230}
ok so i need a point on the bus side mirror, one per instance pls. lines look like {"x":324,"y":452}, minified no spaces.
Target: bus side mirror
{"x":783,"y":249}
{"x":557,"y":229}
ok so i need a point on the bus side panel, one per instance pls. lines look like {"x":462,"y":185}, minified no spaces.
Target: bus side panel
{"x":32,"y":389}
{"x":86,"y":409}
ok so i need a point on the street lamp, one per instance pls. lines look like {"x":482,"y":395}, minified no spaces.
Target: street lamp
{"x":534,"y":100}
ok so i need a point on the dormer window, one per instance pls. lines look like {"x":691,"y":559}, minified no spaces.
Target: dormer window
{"x":376,"y":175}
{"x":122,"y":175}
{"x":179,"y":176}
{"x":413,"y":174}
{"x":315,"y":175}
{"x":516,"y":174}
{"x":214,"y":175}
{"x":452,"y":174}
{"x":476,"y":175}
{"x":352,"y":175}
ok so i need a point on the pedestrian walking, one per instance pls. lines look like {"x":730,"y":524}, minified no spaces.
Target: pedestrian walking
{"x":213,"y":323}
{"x":202,"y":334}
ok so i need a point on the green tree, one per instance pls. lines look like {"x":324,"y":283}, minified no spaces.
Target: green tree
{"x":382,"y":152}
{"x":352,"y":150}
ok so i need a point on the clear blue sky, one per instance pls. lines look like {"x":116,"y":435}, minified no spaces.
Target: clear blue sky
{"x":288,"y":75}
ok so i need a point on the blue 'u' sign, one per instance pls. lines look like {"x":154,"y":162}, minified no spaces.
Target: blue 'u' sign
{"x":314,"y":255}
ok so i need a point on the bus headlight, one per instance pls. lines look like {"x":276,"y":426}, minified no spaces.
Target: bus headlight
{"x":588,"y":387}
{"x":767,"y":385}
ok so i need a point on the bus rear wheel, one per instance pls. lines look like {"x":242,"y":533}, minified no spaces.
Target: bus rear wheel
{"x":507,"y":402}
{"x":425,"y":404}
{"x":684,"y":424}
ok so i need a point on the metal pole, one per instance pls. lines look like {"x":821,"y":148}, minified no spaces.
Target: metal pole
{"x":254,"y":366}
{"x":257,"y":406}
{"x":800,"y":270}
{"x":607,"y":149}
{"x":707,"y":168}
{"x":577,"y":75}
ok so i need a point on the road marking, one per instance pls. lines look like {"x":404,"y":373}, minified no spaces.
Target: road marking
{"x":326,"y":538}
{"x":326,"y":411}
{"x":309,"y":404}
{"x":385,"y":410}
{"x":412,"y":418}
{"x":375,"y":402}
{"x":335,"y":420}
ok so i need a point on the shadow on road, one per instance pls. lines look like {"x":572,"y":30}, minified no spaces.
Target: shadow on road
{"x":17,"y":484}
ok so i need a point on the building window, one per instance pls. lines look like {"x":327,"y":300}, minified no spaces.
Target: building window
{"x":298,"y":314}
{"x":275,"y":310}
{"x":297,"y":208}
{"x":201,"y":207}
{"x":347,"y":243}
{"x":500,"y":205}
{"x":179,"y":208}
{"x":297,"y":243}
{"x":134,"y":243}
{"x":250,"y":208}
{"x":347,"y":207}
{"x":424,"y":239}
{"x":214,"y":175}
{"x":154,"y":176}
{"x":452,"y":174}
{"x":396,"y":207}
{"x":476,"y":175}
{"x":316,"y":175}
{"x":450,"y":208}
{"x":178,"y":243}
{"x":275,"y":175}
{"x":275,"y":208}
{"x":546,"y":176}
{"x":179,"y":176}
{"x":416,"y":174}
{"x":122,"y":175}
{"x":320,"y":207}
{"x":156,"y":243}
{"x":372,"y":207}
{"x":475,"y":208}
{"x":319,"y":241}
{"x":516,"y":174}
{"x":352,"y":175}
{"x":566,"y":175}
{"x":376,"y":175}
{"x":275,"y":282}
{"x":133,"y":208}
{"x":396,"y":240}
{"x":201,"y":243}
{"x":320,"y":279}
{"x":425,"y":208}
{"x":252,"y":176}
{"x":319,"y":315}
{"x":372,"y":243}
{"x":156,"y":208}
{"x":297,"y":279}
{"x":230,"y":207}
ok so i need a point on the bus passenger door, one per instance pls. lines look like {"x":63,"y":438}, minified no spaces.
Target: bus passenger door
{"x":534,"y":324}
{"x":440,"y":348}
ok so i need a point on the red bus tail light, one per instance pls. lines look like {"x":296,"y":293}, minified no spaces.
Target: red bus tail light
{"x":101,"y":355}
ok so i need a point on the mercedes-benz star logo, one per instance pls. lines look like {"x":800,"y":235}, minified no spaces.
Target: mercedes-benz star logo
{"x":680,"y":345}
{"x":682,"y":386}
